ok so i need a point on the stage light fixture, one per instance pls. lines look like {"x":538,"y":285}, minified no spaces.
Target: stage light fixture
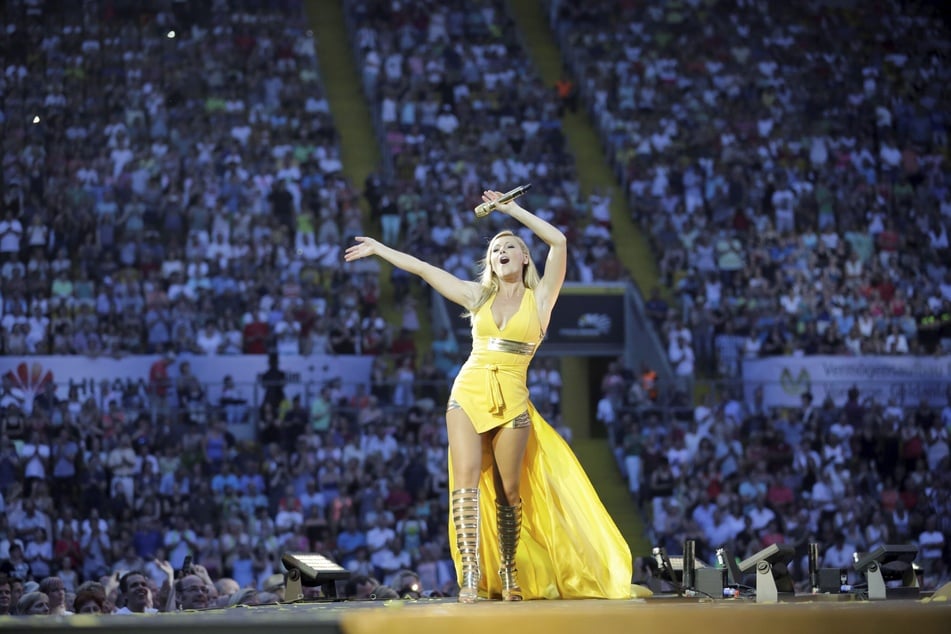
{"x":681,"y":574}
{"x":727,"y":561}
{"x":889,"y":571}
{"x":772,"y":572}
{"x":310,"y":570}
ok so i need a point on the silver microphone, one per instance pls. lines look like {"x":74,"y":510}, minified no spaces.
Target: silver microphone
{"x":486,"y":208}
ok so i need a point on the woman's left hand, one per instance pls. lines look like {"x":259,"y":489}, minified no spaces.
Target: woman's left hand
{"x":364,"y":247}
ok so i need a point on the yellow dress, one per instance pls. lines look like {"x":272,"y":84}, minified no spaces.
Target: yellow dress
{"x":570,"y":547}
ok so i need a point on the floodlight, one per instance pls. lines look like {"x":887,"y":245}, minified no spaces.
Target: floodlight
{"x":677,"y":570}
{"x":890,"y":563}
{"x":772,"y":574}
{"x":727,"y":561}
{"x":311,"y":569}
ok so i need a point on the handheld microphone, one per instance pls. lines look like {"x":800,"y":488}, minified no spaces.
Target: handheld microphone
{"x":486,"y":208}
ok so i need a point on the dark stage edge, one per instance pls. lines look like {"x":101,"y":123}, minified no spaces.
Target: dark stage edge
{"x":656,"y":615}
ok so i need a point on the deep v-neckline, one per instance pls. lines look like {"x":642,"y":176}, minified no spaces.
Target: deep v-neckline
{"x":507,"y":321}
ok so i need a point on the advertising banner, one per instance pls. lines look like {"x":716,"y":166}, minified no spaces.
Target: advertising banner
{"x":904,"y":378}
{"x":27,"y":376}
{"x":588,"y":315}
{"x":584,"y":315}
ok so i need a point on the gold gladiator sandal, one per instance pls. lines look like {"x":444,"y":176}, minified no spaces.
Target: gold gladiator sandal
{"x":510,"y":528}
{"x":465,"y":518}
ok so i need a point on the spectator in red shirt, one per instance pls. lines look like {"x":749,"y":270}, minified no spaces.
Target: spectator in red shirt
{"x":889,"y":240}
{"x":404,"y":345}
{"x":779,"y":495}
{"x":771,"y":535}
{"x":255,"y":335}
{"x":159,"y":382}
{"x":398,"y":500}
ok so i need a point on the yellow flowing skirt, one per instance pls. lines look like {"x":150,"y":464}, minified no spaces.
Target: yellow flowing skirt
{"x":570,"y":547}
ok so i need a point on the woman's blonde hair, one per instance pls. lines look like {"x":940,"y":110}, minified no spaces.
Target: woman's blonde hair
{"x":26,"y":602}
{"x":490,"y":281}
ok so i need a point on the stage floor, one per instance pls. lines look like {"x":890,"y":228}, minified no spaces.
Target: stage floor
{"x":656,"y":615}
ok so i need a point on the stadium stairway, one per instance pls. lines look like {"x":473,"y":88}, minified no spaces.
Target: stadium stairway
{"x":633,"y":250}
{"x":585,"y":144}
{"x":359,"y":146}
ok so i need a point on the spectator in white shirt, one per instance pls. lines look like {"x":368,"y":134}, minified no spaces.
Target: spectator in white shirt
{"x":839,"y":554}
{"x":380,"y":535}
{"x":209,"y":339}
{"x":680,"y":354}
{"x":931,"y":544}
{"x":10,"y":233}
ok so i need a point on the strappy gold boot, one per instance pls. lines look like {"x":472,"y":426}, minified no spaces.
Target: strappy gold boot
{"x":465,"y":518}
{"x":509,"y":520}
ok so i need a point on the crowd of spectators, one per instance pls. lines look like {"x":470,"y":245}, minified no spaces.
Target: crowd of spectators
{"x":789,"y":163}
{"x":172,"y":186}
{"x":172,"y":182}
{"x":94,"y":497}
{"x":181,"y":191}
{"x":735,"y":473}
{"x":459,"y":107}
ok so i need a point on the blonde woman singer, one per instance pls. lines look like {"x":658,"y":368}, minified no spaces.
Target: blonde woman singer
{"x":521,"y":503}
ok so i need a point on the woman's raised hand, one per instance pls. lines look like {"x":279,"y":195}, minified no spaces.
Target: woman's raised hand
{"x":490,"y":196}
{"x":364,"y":247}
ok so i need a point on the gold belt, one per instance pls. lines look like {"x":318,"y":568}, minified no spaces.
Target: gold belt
{"x":496,"y":344}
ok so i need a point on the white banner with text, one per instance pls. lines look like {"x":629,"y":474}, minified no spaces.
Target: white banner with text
{"x":907,"y":379}
{"x":25,"y":377}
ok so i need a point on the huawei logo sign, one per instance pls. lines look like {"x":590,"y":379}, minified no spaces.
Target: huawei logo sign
{"x":26,"y":381}
{"x":598,"y":321}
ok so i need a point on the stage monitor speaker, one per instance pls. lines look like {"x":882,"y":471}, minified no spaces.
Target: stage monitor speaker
{"x":830,"y":580}
{"x":889,"y":570}
{"x":710,"y":581}
{"x":311,"y":570}
{"x":772,"y":572}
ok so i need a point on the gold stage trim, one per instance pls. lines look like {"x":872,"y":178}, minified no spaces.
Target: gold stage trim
{"x":653,"y":615}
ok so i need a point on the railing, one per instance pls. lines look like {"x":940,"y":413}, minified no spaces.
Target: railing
{"x":644,"y":344}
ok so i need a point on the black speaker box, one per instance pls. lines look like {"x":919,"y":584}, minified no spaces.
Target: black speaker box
{"x":709,"y":581}
{"x":830,"y":580}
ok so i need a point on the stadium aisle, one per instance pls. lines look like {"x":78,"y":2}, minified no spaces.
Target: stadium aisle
{"x":359,"y":145}
{"x":583,"y":140}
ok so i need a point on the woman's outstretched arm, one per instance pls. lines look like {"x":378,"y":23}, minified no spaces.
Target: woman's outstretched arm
{"x":462,"y":292}
{"x":556,"y":265}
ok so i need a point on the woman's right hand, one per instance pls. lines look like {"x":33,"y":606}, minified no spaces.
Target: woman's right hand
{"x":490,"y":196}
{"x":365,"y":247}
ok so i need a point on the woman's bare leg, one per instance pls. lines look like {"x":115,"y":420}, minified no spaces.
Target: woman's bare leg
{"x":465,"y":449}
{"x":465,"y":453}
{"x":509,"y":451}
